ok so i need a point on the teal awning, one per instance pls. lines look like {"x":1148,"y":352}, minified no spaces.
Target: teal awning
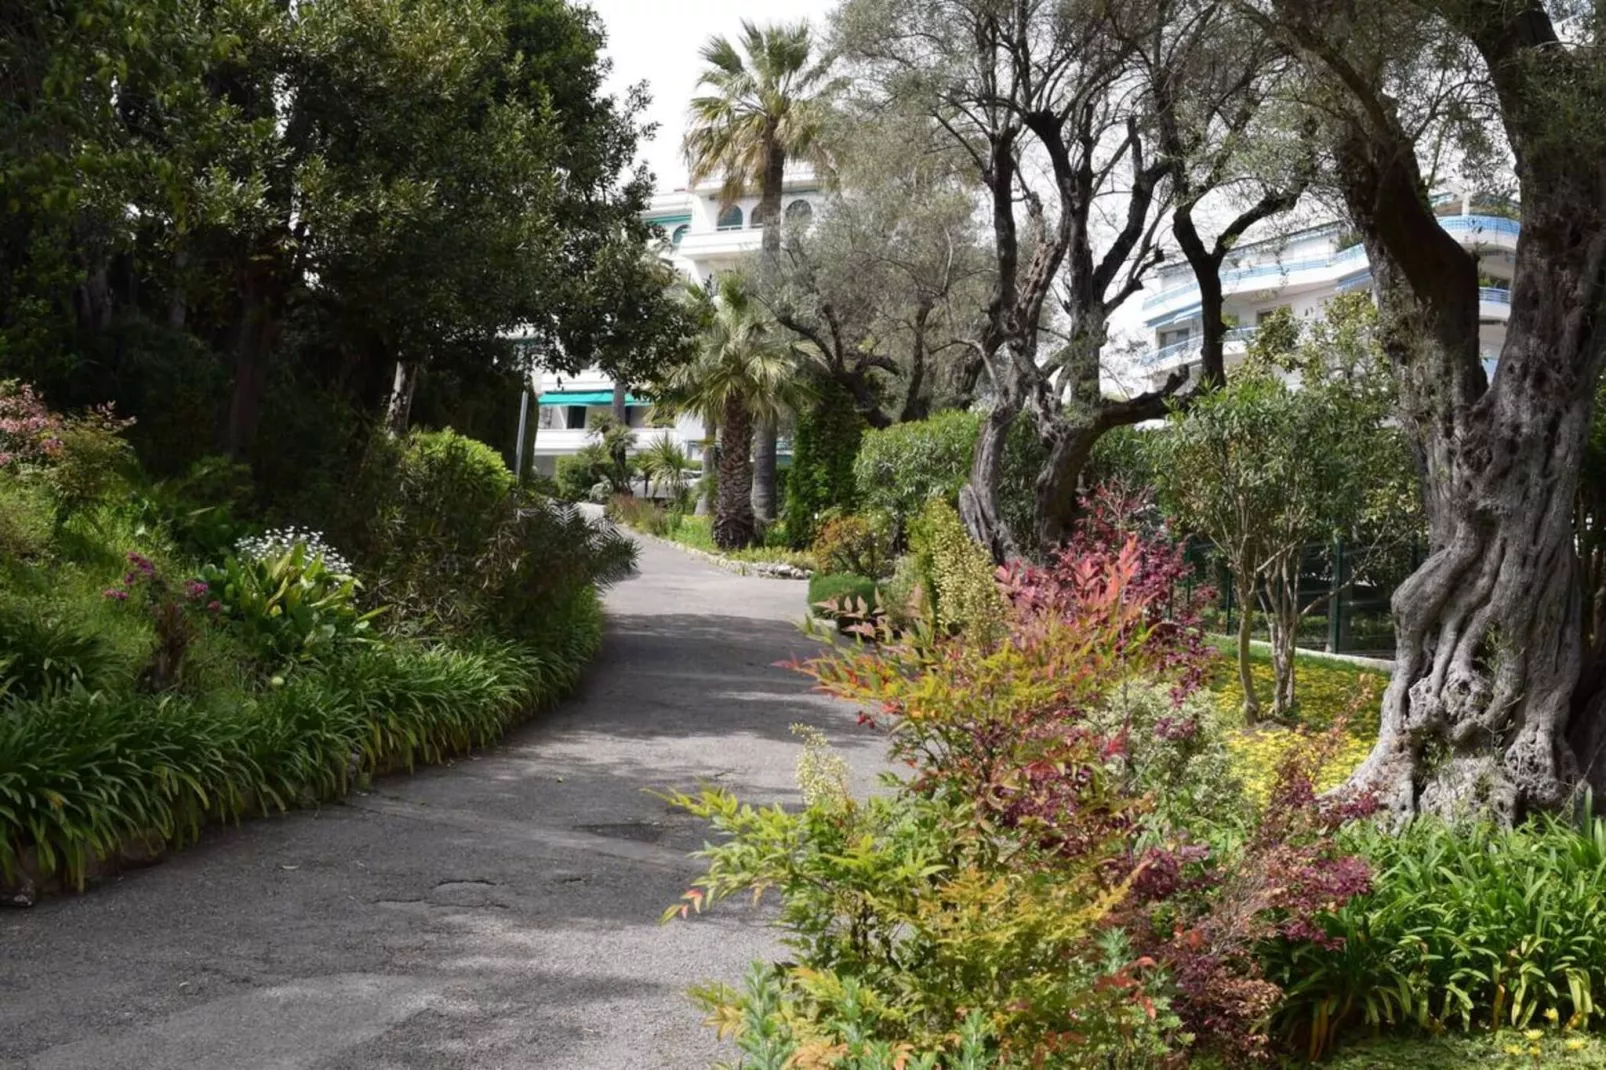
{"x":585,"y":397}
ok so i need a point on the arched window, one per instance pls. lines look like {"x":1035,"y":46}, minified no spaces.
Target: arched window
{"x":759,"y":216}
{"x":799,"y":213}
{"x":730,"y":218}
{"x":680,"y":232}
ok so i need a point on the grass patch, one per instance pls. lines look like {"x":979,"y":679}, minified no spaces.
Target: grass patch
{"x":1508,"y":1050}
{"x":697,"y":532}
{"x":1326,"y":689}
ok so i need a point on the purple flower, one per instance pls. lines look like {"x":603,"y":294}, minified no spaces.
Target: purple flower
{"x":116,"y":594}
{"x":214,"y":606}
{"x":141,"y":562}
{"x":195,"y":589}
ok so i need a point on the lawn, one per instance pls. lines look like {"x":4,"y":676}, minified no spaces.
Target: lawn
{"x":1326,"y":689}
{"x":1509,"y":1050}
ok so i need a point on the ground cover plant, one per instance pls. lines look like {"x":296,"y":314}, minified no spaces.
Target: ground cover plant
{"x":158,"y":675}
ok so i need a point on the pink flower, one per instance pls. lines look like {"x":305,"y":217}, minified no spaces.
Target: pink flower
{"x":214,"y":606}
{"x":195,"y":589}
{"x":116,"y":594}
{"x":141,"y":562}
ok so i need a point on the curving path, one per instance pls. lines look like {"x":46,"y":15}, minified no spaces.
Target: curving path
{"x":497,"y":913}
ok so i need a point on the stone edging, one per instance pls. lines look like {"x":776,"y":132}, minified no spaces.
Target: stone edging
{"x":1380,"y":664}
{"x":772,"y":570}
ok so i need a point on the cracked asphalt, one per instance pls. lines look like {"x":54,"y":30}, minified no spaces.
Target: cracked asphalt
{"x":498,"y":912}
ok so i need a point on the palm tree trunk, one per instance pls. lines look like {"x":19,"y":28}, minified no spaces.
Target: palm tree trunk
{"x":619,"y":397}
{"x":769,"y":203}
{"x":733,"y":512}
{"x":765,"y":435}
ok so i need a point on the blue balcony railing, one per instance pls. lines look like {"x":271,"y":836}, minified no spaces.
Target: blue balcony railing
{"x":1494,"y":295}
{"x":1473,"y":226}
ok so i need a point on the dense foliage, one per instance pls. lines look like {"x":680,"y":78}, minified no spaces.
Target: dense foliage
{"x":900,"y":468}
{"x":1020,"y":898}
{"x":162,"y":667}
{"x":824,"y":449}
{"x":190,"y":228}
{"x":1468,"y":927}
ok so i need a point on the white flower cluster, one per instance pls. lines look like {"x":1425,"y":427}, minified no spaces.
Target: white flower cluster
{"x":279,"y":541}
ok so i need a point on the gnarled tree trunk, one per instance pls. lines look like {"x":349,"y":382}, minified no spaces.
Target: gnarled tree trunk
{"x":979,"y":500}
{"x":1488,"y":629}
{"x":734,"y":527}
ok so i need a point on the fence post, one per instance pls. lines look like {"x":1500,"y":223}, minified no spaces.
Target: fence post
{"x":1335,"y":602}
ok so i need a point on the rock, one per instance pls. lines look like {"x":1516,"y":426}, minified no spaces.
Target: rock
{"x":21,"y":893}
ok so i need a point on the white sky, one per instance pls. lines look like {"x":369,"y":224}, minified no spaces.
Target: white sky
{"x":658,"y":42}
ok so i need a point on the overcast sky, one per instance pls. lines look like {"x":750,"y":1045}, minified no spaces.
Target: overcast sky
{"x":657,"y":41}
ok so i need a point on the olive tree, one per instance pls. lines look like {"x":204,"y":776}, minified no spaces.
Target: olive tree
{"x":1492,"y":705}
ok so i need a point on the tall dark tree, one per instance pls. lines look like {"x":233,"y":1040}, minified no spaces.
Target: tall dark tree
{"x":204,"y":204}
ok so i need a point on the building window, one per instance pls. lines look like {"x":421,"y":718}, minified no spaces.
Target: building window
{"x":1174,"y":337}
{"x":1267,"y":313}
{"x":730,"y":218}
{"x":577,"y":417}
{"x":799,"y":213}
{"x":759,"y":216}
{"x":680,"y":233}
{"x":635,"y":416}
{"x":548,"y":418}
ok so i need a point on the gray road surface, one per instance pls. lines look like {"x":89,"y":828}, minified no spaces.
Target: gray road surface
{"x":500,"y":912}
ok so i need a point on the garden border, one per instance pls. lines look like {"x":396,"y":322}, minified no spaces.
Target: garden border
{"x":769,"y":570}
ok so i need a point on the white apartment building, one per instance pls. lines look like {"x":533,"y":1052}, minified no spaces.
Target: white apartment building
{"x":702,"y":237}
{"x":1301,"y":272}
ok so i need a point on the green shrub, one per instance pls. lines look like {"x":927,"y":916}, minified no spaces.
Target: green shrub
{"x":200,"y":511}
{"x":900,"y":468}
{"x":578,"y":472}
{"x":959,"y":575}
{"x":454,"y":547}
{"x":287,"y":605}
{"x":638,"y":513}
{"x":839,"y":595}
{"x":1467,"y":926}
{"x":1191,"y":776}
{"x":855,"y":543}
{"x":824,"y":449}
{"x":27,"y":516}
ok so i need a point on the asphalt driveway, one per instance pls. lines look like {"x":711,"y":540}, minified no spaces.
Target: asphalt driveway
{"x":499,"y":912}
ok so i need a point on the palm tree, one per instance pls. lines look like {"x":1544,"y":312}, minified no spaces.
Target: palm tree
{"x":664,"y":463}
{"x":744,"y":373}
{"x":766,"y":107}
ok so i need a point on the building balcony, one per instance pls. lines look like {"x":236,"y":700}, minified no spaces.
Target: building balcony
{"x":726,"y":242}
{"x":1187,"y":352}
{"x":1345,"y":268}
{"x":562,"y":441}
